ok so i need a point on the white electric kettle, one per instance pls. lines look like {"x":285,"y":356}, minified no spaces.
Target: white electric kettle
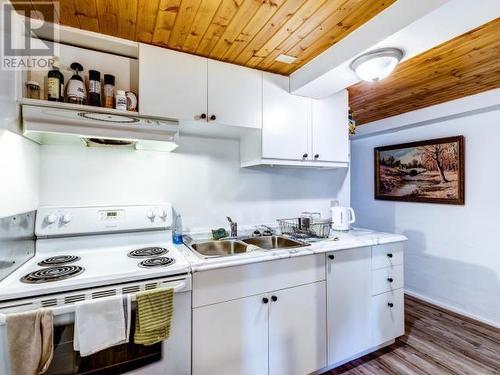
{"x":342,"y":217}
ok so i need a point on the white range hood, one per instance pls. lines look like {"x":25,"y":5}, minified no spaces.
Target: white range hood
{"x":62,"y":123}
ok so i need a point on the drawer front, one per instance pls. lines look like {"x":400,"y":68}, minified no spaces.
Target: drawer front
{"x":225,"y":284}
{"x":387,"y":279}
{"x":387,"y":316}
{"x":387,"y":255}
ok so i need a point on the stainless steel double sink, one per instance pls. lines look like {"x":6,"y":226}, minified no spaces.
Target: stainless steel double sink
{"x":227,"y":247}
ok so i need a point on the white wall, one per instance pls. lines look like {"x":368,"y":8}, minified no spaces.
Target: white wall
{"x":453,"y":252}
{"x":19,"y":174}
{"x":202,"y":179}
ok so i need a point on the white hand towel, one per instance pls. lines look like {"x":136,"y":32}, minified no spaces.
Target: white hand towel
{"x":101,"y":324}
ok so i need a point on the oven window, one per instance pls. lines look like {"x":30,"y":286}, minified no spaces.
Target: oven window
{"x":115,"y":360}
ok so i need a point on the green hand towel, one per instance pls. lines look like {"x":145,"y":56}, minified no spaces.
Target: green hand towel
{"x":154,"y":315}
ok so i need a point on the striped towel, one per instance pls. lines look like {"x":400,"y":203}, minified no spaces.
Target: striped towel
{"x":154,"y":314}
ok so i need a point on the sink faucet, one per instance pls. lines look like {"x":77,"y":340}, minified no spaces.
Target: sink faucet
{"x":234,"y":227}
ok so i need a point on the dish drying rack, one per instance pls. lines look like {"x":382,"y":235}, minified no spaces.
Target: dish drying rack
{"x":297,"y":228}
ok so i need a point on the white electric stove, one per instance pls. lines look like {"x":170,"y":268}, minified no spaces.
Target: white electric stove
{"x":95,"y":251}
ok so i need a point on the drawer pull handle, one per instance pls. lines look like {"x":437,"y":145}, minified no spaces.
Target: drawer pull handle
{"x":390,"y":279}
{"x":274,"y":298}
{"x":390,"y":304}
{"x":389,"y":255}
{"x":265,"y":300}
{"x":331,"y":256}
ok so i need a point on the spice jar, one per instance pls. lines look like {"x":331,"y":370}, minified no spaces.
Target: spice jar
{"x":109,"y":90}
{"x":32,"y":90}
{"x":121,"y":100}
{"x":94,"y":88}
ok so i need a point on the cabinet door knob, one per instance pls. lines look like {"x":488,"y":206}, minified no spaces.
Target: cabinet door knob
{"x":389,"y":255}
{"x":265,"y":300}
{"x":203,"y":116}
{"x":213,"y":118}
{"x":390,"y":279}
{"x":274,"y":298}
{"x":305,"y":156}
{"x":316,"y":157}
{"x":331,"y":256}
{"x":390,"y":304}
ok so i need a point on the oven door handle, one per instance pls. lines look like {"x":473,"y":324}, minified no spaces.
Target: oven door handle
{"x":70,"y":308}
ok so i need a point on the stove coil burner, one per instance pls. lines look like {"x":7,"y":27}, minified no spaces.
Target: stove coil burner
{"x":50,"y":274}
{"x":157,"y":262}
{"x":147,"y":252}
{"x":59,"y":260}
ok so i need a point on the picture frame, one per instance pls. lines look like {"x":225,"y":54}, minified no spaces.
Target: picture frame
{"x":430,"y":171}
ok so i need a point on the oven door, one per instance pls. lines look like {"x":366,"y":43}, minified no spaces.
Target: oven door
{"x":170,"y":357}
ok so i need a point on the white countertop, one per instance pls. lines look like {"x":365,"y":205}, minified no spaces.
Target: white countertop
{"x":356,"y":237}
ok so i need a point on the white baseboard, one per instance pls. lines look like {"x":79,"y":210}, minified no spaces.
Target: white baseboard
{"x":452,"y":308}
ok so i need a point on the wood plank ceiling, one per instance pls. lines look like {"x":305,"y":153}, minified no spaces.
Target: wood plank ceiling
{"x":466,"y":65}
{"x":245,"y":32}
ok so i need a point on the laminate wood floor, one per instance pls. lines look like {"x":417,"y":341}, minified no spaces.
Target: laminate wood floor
{"x":436,"y":342}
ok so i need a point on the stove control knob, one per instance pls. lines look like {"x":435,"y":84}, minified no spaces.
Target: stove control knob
{"x":66,"y":218}
{"x":51,"y":219}
{"x":163,"y":214}
{"x":151,"y":214}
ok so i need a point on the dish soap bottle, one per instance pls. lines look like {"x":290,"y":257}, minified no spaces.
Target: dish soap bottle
{"x":177,"y":230}
{"x":75,"y":90}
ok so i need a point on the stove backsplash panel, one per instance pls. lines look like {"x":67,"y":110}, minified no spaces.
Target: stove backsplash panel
{"x":17,"y":241}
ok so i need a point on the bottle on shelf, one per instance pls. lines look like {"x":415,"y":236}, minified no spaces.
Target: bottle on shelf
{"x":121,"y":100}
{"x":75,"y":90}
{"x":94,"y":88}
{"x":55,"y":82}
{"x":109,"y":90}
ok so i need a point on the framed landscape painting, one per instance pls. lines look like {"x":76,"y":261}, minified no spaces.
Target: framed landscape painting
{"x":428,"y":171}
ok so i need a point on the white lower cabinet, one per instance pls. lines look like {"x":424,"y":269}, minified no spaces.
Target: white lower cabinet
{"x":231,"y":337}
{"x":349,"y":297}
{"x":297,"y":334}
{"x":387,"y":316}
{"x":280,"y":332}
{"x":365,"y":295}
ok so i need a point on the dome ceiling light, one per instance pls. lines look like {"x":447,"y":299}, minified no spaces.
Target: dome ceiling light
{"x":377,"y":65}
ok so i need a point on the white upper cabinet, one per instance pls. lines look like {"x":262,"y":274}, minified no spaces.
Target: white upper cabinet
{"x":186,"y":87}
{"x":330,"y":135}
{"x":234,"y":95}
{"x":298,"y":131}
{"x":172,"y":84}
{"x":286,"y":120}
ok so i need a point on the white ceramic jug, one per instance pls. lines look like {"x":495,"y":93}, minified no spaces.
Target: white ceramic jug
{"x":342,"y":217}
